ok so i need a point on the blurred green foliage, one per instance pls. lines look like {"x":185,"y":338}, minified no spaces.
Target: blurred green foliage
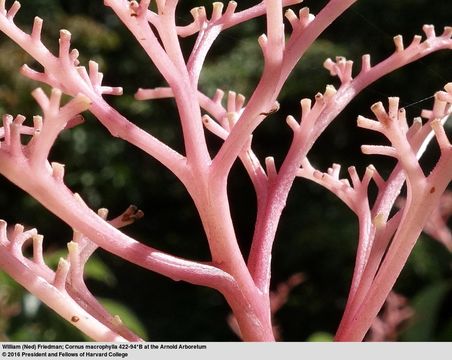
{"x":317,"y":234}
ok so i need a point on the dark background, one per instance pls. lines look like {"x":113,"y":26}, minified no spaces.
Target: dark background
{"x":317,"y":234}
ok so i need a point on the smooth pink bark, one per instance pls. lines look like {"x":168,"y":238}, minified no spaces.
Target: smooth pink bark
{"x":384,"y":242}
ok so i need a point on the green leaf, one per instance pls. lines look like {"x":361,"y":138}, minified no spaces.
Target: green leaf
{"x":426,"y":306}
{"x":126,"y":315}
{"x":320,"y":336}
{"x":95,"y":268}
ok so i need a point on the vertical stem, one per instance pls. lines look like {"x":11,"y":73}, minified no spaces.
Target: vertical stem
{"x":170,"y":63}
{"x":185,"y":93}
{"x":392,"y":265}
{"x":272,"y":81}
{"x":252,"y":309}
{"x":253,"y":317}
{"x":381,"y":239}
{"x":423,"y":196}
{"x":275,"y":33}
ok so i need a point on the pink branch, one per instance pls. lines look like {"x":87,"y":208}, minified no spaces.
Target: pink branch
{"x":314,"y":121}
{"x":384,"y":242}
{"x":171,"y":65}
{"x":234,"y":281}
{"x":60,"y":73}
{"x":229,"y":19}
{"x":17,"y":162}
{"x":50,"y":287}
{"x":388,"y":191}
{"x":423,"y":195}
{"x":396,"y":312}
{"x":273,"y":77}
{"x":225,"y":120}
{"x":356,"y":199}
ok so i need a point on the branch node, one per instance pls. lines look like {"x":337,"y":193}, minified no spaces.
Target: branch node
{"x":103,"y":213}
{"x":271,"y":168}
{"x":36,"y":29}
{"x":61,"y":275}
{"x":398,"y":42}
{"x":13,"y":10}
{"x":57,"y":171}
